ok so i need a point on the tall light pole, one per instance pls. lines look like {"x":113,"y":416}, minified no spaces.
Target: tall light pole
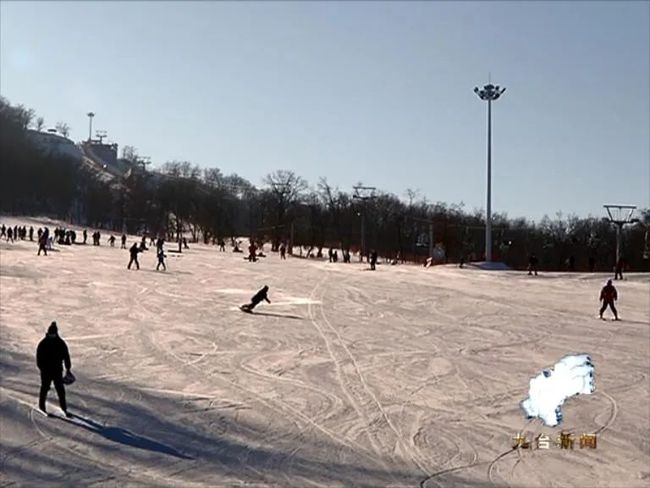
{"x":489,"y":92}
{"x":90,"y":125}
{"x":363,"y":193}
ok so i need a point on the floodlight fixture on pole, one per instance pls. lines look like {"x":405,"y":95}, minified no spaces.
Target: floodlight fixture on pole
{"x":489,"y":93}
{"x":101,"y":135}
{"x":90,"y":125}
{"x":620,"y":215}
{"x":363,"y":193}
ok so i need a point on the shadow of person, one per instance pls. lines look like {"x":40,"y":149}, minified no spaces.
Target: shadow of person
{"x":123,"y":436}
{"x":268,"y":314}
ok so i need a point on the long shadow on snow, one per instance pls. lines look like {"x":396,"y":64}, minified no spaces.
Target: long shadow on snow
{"x":216,"y":441}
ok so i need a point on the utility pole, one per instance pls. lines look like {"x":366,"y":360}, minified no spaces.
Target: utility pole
{"x":363,"y":193}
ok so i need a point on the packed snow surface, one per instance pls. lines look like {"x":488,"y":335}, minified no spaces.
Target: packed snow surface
{"x":401,"y":377}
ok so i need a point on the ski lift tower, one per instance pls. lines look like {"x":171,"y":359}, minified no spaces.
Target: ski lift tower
{"x":363,"y":193}
{"x":620,"y":215}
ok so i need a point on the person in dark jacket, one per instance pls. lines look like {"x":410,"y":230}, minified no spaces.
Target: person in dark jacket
{"x":51,"y":354}
{"x":373,"y":259}
{"x":257,"y":298}
{"x":608,"y":296}
{"x":618,"y":269}
{"x":134,"y":256}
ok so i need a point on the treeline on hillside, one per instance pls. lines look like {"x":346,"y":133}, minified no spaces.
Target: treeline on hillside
{"x":204,"y":204}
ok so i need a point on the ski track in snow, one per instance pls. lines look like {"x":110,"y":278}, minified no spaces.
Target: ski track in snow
{"x":401,"y":377}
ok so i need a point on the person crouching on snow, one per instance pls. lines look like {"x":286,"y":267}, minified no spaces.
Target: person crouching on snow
{"x":257,"y":298}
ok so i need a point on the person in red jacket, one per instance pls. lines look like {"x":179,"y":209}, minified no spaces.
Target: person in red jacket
{"x":608,"y":296}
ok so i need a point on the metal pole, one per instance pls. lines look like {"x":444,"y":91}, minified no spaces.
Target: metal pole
{"x":619,"y":233}
{"x":90,"y":125}
{"x":488,"y":221}
{"x":363,"y":236}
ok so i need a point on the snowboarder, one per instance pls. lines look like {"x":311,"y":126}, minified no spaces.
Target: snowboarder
{"x":134,"y":256}
{"x":608,"y":296}
{"x":532,"y":264}
{"x":257,"y":298}
{"x":51,"y":352}
{"x":161,"y":259}
{"x":618,"y":270}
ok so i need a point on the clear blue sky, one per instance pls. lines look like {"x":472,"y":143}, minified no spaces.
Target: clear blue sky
{"x":373,"y":92}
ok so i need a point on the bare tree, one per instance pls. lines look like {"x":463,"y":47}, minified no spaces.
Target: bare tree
{"x":40,"y":123}
{"x":63,"y":128}
{"x":130,"y":154}
{"x":285,"y":189}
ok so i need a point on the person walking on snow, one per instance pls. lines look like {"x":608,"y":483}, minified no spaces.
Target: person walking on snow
{"x":257,"y":298}
{"x":134,"y":256}
{"x":608,"y":296}
{"x":51,"y":354}
{"x":161,"y":259}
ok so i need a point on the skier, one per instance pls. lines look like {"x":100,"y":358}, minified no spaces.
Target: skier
{"x":283,"y":251}
{"x":532,"y":264}
{"x":618,"y":270}
{"x":10,"y":234}
{"x":3,"y":231}
{"x":257,"y":298}
{"x":161,"y":259}
{"x":123,"y":241}
{"x":134,"y":256}
{"x":373,"y":259}
{"x":608,"y":296}
{"x":31,"y":233}
{"x":52,"y":351}
{"x":111,"y":241}
{"x":222,"y":245}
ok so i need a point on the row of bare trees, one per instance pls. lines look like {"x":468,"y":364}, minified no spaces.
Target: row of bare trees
{"x":182,"y":199}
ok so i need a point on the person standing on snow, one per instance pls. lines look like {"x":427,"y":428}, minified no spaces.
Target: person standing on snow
{"x":608,"y":295}
{"x":51,"y":354}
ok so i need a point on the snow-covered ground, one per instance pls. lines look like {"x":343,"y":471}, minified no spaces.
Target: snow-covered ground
{"x":399,"y":377}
